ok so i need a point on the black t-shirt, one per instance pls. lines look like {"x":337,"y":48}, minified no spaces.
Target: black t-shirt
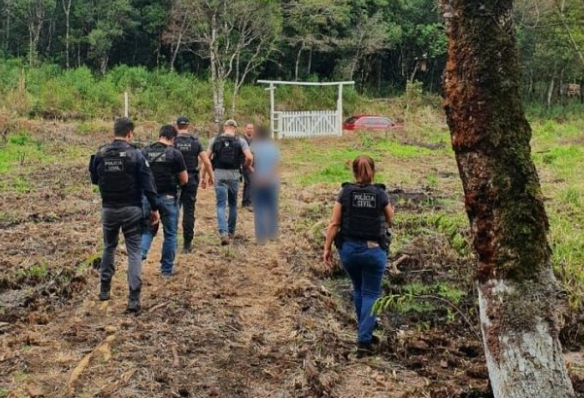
{"x":190,"y":147}
{"x":166,"y":163}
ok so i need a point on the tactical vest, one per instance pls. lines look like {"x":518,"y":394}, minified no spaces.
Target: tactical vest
{"x":227,"y":153}
{"x":117,"y":175}
{"x":362,"y":213}
{"x":160,"y":161}
{"x":190,"y":149}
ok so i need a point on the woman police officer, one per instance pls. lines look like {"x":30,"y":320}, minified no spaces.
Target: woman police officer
{"x":361,"y":217}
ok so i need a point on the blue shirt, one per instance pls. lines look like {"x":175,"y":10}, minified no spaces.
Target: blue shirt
{"x":266,"y":157}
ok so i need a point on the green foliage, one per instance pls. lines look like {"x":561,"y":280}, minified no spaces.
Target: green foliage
{"x":20,"y":150}
{"x":417,"y":297}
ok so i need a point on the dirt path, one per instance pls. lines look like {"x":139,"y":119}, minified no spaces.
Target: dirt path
{"x":242,"y":321}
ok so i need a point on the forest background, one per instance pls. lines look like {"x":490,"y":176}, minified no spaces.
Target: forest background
{"x":73,"y":59}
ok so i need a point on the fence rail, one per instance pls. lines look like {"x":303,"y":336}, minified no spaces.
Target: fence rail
{"x":307,"y":124}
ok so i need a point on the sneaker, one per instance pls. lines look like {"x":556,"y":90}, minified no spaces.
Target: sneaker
{"x":104,"y":291}
{"x":224,"y":240}
{"x":168,"y":274}
{"x":365,"y":350}
{"x":231,"y":235}
{"x":375,"y":340}
{"x":134,"y":301}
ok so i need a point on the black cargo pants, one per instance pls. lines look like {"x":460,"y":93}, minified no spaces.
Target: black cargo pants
{"x":188,"y":199}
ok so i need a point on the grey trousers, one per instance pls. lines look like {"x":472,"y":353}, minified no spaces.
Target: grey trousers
{"x":129,"y":219}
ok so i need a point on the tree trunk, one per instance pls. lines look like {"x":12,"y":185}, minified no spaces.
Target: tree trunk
{"x":309,"y":66}
{"x":67,"y":11}
{"x":103,"y":64}
{"x":67,"y":27}
{"x":550,"y":92}
{"x":504,"y":203}
{"x":297,"y":65}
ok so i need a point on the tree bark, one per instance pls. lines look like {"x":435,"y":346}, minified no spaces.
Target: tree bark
{"x":297,"y":65}
{"x":491,"y":140}
{"x":67,"y":10}
{"x":550,"y":92}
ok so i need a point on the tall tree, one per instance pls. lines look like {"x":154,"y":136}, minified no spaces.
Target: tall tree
{"x":66,"y":4}
{"x":504,"y":203}
{"x":177,"y":32}
{"x":233,"y":35}
{"x":33,"y":14}
{"x":108,"y":20}
{"x":311,"y":25}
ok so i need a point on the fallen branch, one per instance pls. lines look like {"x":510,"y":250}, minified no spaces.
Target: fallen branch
{"x":176,"y":359}
{"x":80,"y":368}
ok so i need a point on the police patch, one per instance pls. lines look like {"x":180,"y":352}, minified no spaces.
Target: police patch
{"x":183,"y":147}
{"x":154,"y":157}
{"x":364,"y":200}
{"x":114,"y":165}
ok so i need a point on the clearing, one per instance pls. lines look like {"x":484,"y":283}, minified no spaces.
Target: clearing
{"x":244,"y":320}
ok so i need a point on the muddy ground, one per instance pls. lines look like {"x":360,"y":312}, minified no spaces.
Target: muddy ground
{"x":241,"y":321}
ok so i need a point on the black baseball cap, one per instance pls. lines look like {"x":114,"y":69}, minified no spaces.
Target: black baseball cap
{"x":182,"y":121}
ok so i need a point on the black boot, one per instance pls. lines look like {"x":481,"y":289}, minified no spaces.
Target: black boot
{"x":104,"y":290}
{"x":365,"y":350}
{"x":134,"y":301}
{"x":188,"y":247}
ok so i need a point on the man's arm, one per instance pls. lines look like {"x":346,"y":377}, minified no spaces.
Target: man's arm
{"x":93,"y":163}
{"x":207,"y":169}
{"x":180,"y":168}
{"x":146,"y":181}
{"x":248,"y":159}
{"x":183,"y":178}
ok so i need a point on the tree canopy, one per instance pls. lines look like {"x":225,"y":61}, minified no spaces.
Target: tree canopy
{"x":382,"y":44}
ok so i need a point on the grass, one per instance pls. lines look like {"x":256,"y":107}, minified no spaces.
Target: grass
{"x":558,"y":153}
{"x":16,"y":155}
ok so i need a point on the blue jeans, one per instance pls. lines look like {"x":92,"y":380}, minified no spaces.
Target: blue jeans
{"x":265,"y":200}
{"x":365,"y":267}
{"x":226,"y":193}
{"x":168,"y":208}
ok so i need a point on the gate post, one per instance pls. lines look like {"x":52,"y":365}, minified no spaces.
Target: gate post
{"x":272,"y":109}
{"x":340,"y":110}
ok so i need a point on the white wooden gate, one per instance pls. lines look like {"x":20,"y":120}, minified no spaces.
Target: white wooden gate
{"x":307,"y":124}
{"x":298,"y":124}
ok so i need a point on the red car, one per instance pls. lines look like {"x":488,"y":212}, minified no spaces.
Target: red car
{"x":369,"y":122}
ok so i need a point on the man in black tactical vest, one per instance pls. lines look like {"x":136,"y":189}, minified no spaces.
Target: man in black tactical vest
{"x":123,"y":177}
{"x":194,"y":154}
{"x":228,"y":153}
{"x":247,"y":172}
{"x":169,"y":169}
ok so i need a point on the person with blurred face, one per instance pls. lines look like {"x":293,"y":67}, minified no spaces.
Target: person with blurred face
{"x":265,"y":183}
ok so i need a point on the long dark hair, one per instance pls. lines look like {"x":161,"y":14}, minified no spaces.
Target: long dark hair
{"x":364,"y":169}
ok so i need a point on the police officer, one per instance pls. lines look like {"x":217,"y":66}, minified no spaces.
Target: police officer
{"x":247,"y":172}
{"x":169,"y":169}
{"x":194,"y":154}
{"x":362,"y":213}
{"x":123,"y":176}
{"x":228,"y":153}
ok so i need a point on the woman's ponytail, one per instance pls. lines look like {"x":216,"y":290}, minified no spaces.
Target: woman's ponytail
{"x":364,"y":169}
